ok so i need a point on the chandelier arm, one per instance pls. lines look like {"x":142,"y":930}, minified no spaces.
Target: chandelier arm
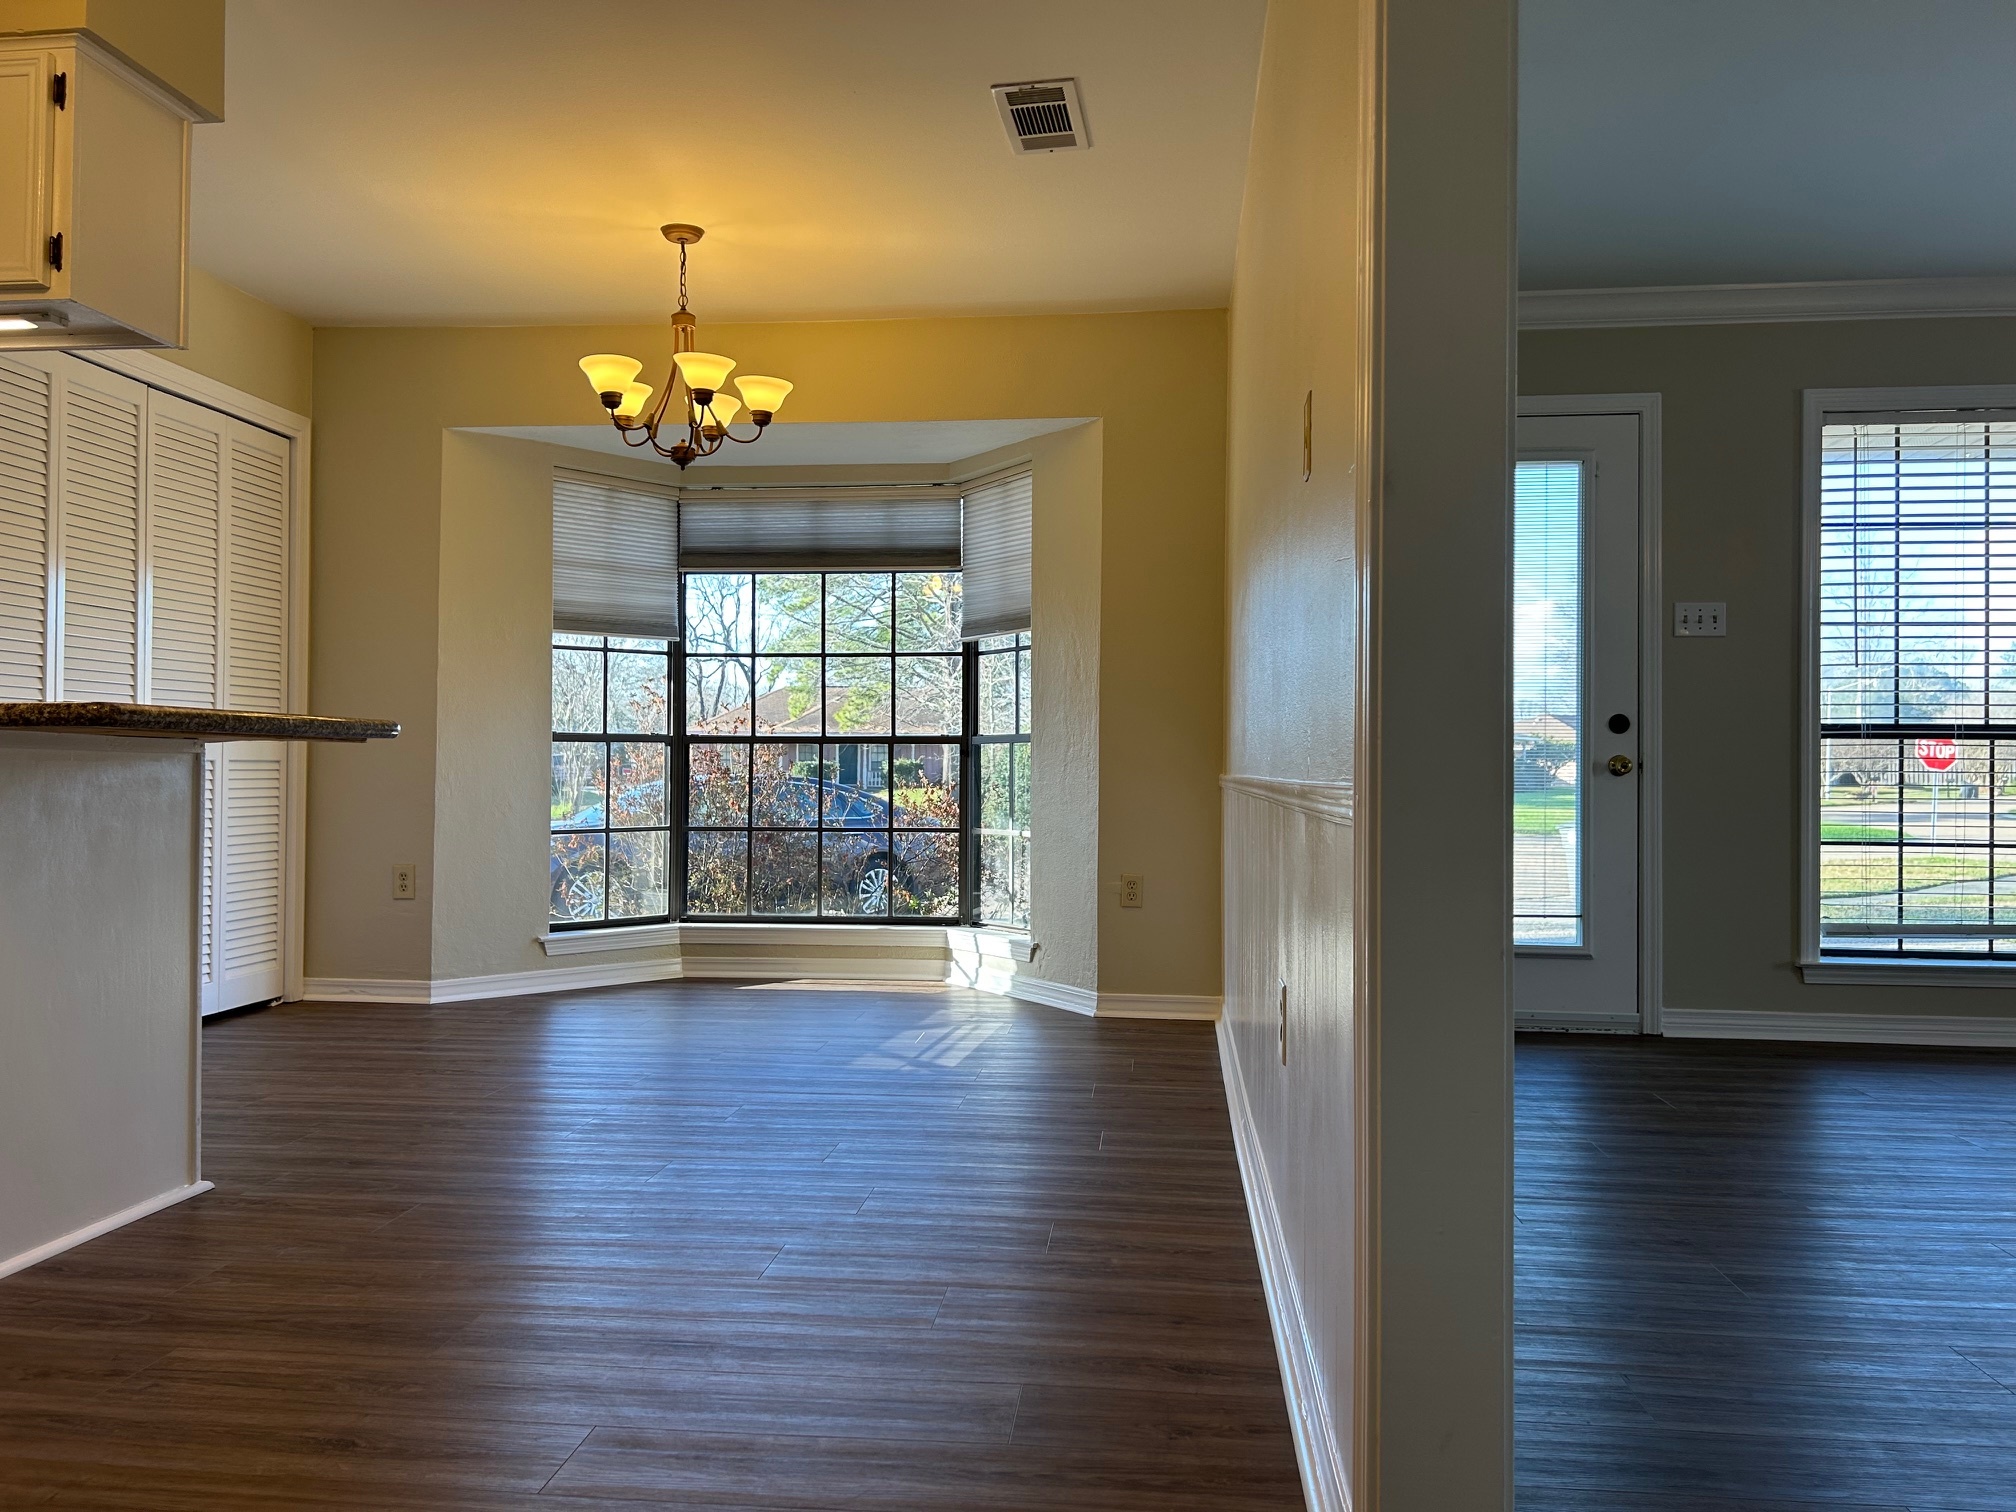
{"x":744,"y":440}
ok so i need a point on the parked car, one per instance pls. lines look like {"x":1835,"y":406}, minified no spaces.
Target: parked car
{"x":794,"y":803}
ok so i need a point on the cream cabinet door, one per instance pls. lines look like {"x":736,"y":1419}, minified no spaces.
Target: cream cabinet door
{"x":27,"y":171}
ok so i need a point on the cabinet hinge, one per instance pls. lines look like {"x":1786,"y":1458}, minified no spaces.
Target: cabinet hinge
{"x":56,"y":252}
{"x":60,"y":90}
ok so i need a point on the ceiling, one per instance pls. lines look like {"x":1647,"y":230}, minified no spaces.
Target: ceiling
{"x":820,"y":445}
{"x":510,"y":161}
{"x":1733,"y":141}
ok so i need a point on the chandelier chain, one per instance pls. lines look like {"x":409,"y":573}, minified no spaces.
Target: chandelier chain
{"x":682,"y":275}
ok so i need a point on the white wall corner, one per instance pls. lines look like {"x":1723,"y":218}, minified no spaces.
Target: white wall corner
{"x":1320,"y":1457}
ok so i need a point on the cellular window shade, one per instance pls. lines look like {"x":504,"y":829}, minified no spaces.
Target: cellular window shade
{"x":800,"y":531}
{"x":615,"y":558}
{"x":994,"y":554}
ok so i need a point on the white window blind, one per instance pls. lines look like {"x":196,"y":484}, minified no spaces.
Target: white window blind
{"x":615,"y":557}
{"x":756,"y":530}
{"x":994,"y":553}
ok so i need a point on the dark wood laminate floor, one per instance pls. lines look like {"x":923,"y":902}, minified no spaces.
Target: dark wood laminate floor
{"x":681,"y":1245}
{"x":1765,"y":1278}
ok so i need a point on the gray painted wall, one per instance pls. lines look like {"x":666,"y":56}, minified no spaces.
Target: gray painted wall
{"x":1731,"y":711}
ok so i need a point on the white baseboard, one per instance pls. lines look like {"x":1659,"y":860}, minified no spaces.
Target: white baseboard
{"x":1028,"y":989}
{"x":470,"y":989}
{"x":1840,"y":1028}
{"x":1325,"y":1482}
{"x":1147,"y":1005}
{"x":91,"y":1231}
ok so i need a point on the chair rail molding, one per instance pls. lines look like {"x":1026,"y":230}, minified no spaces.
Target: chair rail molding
{"x":1325,"y":800}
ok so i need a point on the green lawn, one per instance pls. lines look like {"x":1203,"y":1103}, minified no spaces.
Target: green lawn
{"x":1849,"y":874}
{"x":1871,"y":833}
{"x":1544,"y":812}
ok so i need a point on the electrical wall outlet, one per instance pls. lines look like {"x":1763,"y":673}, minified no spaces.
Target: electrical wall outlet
{"x":1700,"y":619}
{"x":1130,"y":891}
{"x":405,"y":880}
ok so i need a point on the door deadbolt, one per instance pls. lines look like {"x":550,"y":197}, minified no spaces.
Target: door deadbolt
{"x":1620,"y":766}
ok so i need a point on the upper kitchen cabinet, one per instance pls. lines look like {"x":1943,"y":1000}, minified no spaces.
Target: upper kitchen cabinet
{"x":94,"y":198}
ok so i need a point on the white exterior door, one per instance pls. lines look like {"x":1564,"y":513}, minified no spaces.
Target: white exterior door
{"x":1575,"y":722}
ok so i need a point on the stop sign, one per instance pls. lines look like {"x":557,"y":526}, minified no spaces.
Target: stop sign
{"x":1938,"y":754}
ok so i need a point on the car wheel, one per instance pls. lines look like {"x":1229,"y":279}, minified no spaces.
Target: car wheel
{"x":872,"y":887}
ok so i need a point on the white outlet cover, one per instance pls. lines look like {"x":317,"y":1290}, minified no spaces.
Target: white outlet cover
{"x":1700,"y":619}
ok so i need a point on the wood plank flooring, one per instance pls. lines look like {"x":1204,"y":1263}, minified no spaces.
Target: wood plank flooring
{"x":1765,"y":1278}
{"x":679,"y":1245}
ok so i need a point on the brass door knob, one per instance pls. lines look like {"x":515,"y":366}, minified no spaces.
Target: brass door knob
{"x":1620,"y":766}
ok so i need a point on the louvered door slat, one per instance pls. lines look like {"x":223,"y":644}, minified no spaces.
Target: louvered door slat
{"x":27,"y":419}
{"x":99,"y":533}
{"x":252,"y":792}
{"x":256,"y":571}
{"x":186,"y":448}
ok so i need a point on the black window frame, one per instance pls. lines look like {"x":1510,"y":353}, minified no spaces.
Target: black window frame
{"x":561,"y":640}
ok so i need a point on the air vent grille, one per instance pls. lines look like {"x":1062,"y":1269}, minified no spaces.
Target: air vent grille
{"x":1042,"y":116}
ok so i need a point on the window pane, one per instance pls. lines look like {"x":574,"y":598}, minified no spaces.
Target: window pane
{"x":856,"y":874}
{"x":927,"y":611}
{"x":788,"y":695}
{"x":560,"y":639}
{"x":579,"y":768}
{"x":927,"y":876}
{"x":720,"y":609}
{"x":1547,"y":703}
{"x":927,"y":695}
{"x":926,"y":782}
{"x":1022,"y":691}
{"x":638,"y":875}
{"x":717,"y":784}
{"x":639,"y":693}
{"x":637,"y":777}
{"x":577,"y":691}
{"x":637,"y":643}
{"x":1000,"y":642}
{"x":717,"y":695}
{"x":997,"y":694}
{"x":717,"y":872}
{"x":784,"y":873}
{"x":857,"y":611}
{"x":997,"y":788}
{"x":575,"y":874}
{"x":787,"y":612}
{"x":860,"y":700}
{"x":786,"y":786}
{"x":857,"y":786}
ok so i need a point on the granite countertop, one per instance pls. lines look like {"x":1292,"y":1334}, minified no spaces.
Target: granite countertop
{"x":154,"y":721}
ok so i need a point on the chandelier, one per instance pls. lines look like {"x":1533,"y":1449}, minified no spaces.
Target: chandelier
{"x":700,"y":416}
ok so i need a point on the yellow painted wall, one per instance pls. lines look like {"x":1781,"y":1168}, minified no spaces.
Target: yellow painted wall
{"x":180,"y":42}
{"x":386,"y":590}
{"x":248,"y":344}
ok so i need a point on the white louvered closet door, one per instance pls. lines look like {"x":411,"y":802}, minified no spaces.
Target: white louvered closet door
{"x":28,"y":407}
{"x":251,"y":783}
{"x":98,"y":534}
{"x":187,"y":450}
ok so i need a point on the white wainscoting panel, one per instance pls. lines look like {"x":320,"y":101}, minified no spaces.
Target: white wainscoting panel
{"x":1289,"y":857}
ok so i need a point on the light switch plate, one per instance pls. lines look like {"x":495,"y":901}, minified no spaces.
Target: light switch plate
{"x":1700,"y":619}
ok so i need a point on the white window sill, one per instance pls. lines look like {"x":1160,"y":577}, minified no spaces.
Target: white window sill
{"x":1864,"y":971}
{"x":1009,"y":944}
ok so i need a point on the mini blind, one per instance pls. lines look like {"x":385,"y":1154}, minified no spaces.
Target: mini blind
{"x":615,"y":557}
{"x":994,"y":551}
{"x":799,"y":530}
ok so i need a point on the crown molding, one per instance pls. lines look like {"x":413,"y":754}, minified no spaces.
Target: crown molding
{"x":1753,"y":304}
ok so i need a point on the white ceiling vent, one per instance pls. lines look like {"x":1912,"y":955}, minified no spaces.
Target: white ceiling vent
{"x":1044,"y":116}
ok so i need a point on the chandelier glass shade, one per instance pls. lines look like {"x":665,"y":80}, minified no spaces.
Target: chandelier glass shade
{"x":700,"y":414}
